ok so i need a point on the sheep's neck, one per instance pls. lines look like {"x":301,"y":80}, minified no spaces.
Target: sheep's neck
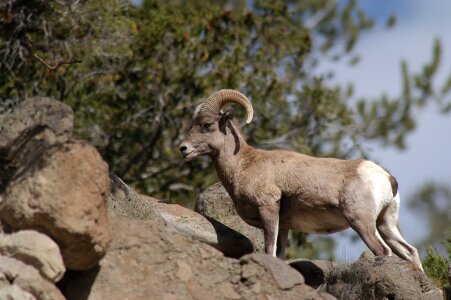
{"x":227,"y":161}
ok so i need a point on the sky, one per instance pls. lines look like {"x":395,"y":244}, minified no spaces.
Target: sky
{"x":427,"y":157}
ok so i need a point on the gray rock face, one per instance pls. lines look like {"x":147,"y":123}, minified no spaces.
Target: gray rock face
{"x":215,"y":203}
{"x":19,"y":281}
{"x":124,"y":201}
{"x":380,"y":277}
{"x":35,"y":249}
{"x":147,"y":262}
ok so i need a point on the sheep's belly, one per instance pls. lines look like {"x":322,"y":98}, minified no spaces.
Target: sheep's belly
{"x":310,"y":220}
{"x":300,"y":218}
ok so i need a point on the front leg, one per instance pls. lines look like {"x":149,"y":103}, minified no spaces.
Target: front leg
{"x":269,"y":216}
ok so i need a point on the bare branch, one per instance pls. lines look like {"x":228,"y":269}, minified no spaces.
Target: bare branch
{"x":58,"y":64}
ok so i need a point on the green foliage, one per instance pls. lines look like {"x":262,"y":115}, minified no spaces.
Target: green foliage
{"x":432,"y":202}
{"x":391,"y":21}
{"x":51,"y":47}
{"x":436,"y":266}
{"x":399,"y":113}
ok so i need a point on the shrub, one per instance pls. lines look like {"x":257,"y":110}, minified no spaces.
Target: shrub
{"x":436,"y":266}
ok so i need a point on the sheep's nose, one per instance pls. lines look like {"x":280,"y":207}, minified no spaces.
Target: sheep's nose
{"x":183,"y":148}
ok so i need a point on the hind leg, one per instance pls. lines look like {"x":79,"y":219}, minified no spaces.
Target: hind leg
{"x":361,"y":216}
{"x":366,"y":229}
{"x":388,"y":226}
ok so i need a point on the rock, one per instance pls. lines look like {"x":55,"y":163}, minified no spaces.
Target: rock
{"x":52,"y":185}
{"x":125,"y":201}
{"x":34,"y":126}
{"x":34,"y":114}
{"x":35,"y":249}
{"x":214,"y":202}
{"x":13,"y":292}
{"x":380,"y":277}
{"x":146,"y":261}
{"x":314,"y":271}
{"x":190,"y":223}
{"x":24,"y":282}
{"x":285,"y":278}
{"x":367,"y":254}
{"x":63,"y":194}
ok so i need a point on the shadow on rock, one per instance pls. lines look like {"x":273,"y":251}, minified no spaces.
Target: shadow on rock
{"x":84,"y":280}
{"x":314,"y":271}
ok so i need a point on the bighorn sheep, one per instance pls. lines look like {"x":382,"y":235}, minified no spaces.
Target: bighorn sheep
{"x":279,"y":190}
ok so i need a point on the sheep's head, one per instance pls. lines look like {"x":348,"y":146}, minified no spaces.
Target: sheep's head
{"x":209,"y":126}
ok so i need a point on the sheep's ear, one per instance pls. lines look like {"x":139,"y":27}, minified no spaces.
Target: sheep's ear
{"x":226,"y":117}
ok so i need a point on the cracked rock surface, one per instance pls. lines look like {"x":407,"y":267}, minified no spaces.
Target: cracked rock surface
{"x":145,"y":262}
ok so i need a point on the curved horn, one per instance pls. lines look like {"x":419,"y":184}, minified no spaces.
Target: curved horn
{"x":217,"y":100}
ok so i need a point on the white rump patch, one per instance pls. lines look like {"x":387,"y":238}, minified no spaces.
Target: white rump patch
{"x":376,"y":179}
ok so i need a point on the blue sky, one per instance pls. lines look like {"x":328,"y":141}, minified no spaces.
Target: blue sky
{"x":427,"y":157}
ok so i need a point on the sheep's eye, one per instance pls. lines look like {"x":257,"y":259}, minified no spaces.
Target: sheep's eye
{"x":206,"y":125}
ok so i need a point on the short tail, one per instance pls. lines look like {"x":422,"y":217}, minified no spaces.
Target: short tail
{"x":394,"y":185}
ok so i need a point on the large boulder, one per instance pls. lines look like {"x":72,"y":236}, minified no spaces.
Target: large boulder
{"x":63,"y":194}
{"x":19,"y":281}
{"x":36,"y":249}
{"x":380,"y":277}
{"x":146,"y":261}
{"x":124,"y":201}
{"x":214,"y":202}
